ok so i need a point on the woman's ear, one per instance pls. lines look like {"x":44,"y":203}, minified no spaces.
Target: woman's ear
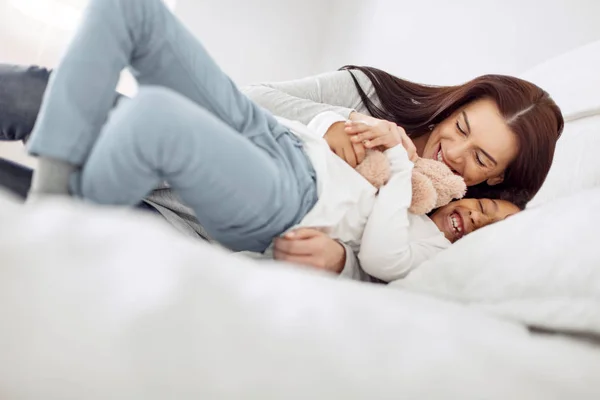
{"x":496,"y":180}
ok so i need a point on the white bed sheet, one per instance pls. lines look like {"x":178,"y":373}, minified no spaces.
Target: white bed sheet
{"x":90,"y":311}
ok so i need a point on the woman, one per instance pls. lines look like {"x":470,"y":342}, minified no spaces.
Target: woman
{"x":196,"y":97}
{"x":511,"y":120}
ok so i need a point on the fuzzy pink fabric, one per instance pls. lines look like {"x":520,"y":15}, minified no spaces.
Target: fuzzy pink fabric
{"x":433,"y":183}
{"x":375,"y":168}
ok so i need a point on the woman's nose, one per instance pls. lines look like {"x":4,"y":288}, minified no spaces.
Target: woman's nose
{"x":455,"y":153}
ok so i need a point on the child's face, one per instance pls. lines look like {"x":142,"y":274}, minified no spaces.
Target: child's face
{"x":467,"y":215}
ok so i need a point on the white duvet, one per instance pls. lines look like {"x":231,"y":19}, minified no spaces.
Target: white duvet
{"x":101,"y":304}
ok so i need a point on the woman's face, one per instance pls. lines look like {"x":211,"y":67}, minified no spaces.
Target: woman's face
{"x":475,"y":142}
{"x":462,"y":217}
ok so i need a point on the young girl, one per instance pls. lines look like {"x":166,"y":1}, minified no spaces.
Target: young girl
{"x":248,"y":176}
{"x":445,"y":226}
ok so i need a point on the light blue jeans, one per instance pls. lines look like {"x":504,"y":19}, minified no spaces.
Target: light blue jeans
{"x":245,"y":175}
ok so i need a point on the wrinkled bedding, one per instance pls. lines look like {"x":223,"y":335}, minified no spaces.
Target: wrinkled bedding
{"x":139,"y":312}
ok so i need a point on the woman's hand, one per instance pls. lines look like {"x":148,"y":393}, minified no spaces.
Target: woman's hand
{"x":374,"y":133}
{"x":311,"y":247}
{"x":339,"y":142}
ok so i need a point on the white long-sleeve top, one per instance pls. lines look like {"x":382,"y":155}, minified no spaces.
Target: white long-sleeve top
{"x":375,"y":225}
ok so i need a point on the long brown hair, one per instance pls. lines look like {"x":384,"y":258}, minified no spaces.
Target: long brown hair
{"x":527,"y":109}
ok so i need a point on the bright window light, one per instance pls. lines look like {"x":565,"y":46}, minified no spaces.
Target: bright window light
{"x":59,"y":14}
{"x":170,"y":3}
{"x":54,"y":13}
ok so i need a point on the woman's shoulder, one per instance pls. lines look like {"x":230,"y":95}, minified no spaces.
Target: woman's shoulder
{"x":342,"y":84}
{"x":343,"y":79}
{"x":345,"y":76}
{"x":361,"y":77}
{"x":366,"y":85}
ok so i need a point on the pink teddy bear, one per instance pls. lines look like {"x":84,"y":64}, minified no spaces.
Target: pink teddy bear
{"x":433,"y":183}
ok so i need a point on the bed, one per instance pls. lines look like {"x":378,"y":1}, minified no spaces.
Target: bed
{"x":91,"y":308}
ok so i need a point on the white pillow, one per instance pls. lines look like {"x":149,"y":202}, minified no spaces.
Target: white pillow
{"x":572,"y":79}
{"x":540,"y":267}
{"x":576,"y":164}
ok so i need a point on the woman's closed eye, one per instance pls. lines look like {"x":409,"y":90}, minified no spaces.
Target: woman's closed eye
{"x":477,"y":156}
{"x":460,"y":128}
{"x":479,"y":160}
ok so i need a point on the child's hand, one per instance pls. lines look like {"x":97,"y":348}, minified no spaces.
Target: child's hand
{"x":339,"y":142}
{"x":374,"y":133}
{"x":311,"y":247}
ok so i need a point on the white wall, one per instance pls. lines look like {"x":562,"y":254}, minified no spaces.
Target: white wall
{"x":260,"y":40}
{"x":432,"y":41}
{"x":440,"y":41}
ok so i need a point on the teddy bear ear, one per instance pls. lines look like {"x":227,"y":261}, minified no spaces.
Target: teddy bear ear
{"x":450,"y":188}
{"x":432,"y":168}
{"x":458,"y":186}
{"x":424,"y":195}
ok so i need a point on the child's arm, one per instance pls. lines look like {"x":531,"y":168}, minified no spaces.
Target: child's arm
{"x":352,"y":268}
{"x":331,"y":126}
{"x":313,"y":247}
{"x":386,"y":251}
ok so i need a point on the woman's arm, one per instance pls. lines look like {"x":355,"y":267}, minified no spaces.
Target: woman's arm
{"x":303,"y":99}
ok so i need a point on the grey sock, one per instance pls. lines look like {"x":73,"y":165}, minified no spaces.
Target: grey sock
{"x":51,"y":177}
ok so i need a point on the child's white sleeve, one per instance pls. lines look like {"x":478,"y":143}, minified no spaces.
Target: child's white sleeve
{"x":351,"y":267}
{"x":386,"y":251}
{"x":322,"y":122}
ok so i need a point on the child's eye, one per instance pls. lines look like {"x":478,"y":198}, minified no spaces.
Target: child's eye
{"x":461,"y":130}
